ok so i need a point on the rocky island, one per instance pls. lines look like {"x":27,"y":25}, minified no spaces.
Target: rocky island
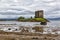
{"x":39,"y":17}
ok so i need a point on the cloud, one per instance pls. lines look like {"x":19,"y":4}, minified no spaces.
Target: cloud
{"x":27,"y":7}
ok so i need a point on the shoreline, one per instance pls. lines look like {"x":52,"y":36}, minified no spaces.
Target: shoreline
{"x":32,"y":36}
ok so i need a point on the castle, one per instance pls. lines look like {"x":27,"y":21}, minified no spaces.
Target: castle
{"x":39,"y":14}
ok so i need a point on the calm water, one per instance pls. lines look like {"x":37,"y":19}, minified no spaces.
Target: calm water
{"x":51,"y":23}
{"x":54,"y":23}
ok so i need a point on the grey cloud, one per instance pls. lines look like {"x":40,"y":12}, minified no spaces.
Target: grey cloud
{"x":27,"y":7}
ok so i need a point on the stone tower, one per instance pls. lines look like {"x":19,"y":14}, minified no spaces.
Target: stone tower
{"x":39,"y":14}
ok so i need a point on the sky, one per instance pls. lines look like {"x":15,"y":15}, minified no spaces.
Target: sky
{"x":26,"y":8}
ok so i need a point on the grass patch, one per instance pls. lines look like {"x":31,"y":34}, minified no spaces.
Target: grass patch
{"x":31,"y":19}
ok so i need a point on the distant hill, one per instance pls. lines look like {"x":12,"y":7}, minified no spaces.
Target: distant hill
{"x":14,"y":19}
{"x":8,"y":19}
{"x":53,"y":18}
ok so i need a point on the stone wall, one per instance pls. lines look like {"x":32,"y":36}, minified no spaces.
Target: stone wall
{"x":39,"y":14}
